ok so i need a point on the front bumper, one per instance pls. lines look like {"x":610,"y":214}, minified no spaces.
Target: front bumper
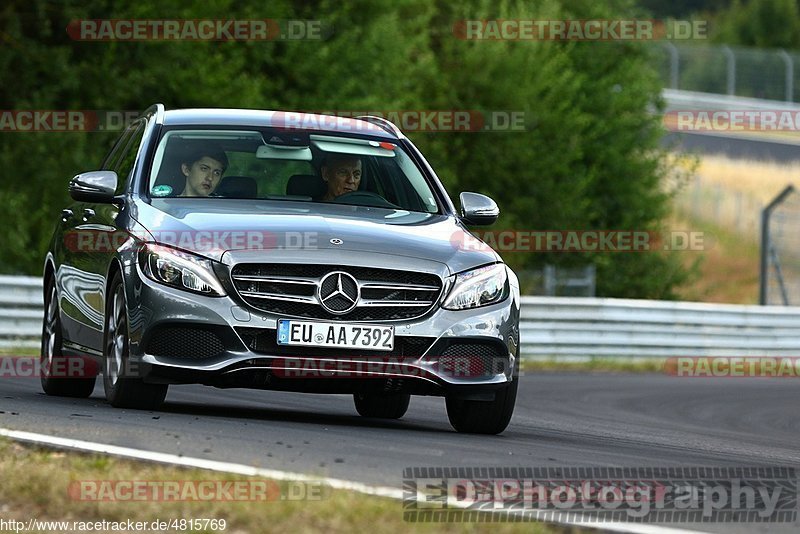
{"x":181,"y":337}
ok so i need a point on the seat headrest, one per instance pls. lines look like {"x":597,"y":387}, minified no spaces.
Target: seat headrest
{"x":307,"y":185}
{"x":237,"y":187}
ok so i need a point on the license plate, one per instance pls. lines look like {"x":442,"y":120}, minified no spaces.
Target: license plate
{"x":336,"y":335}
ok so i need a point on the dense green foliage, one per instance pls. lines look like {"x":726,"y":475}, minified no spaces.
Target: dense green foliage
{"x":588,"y":159}
{"x":765,"y":24}
{"x":681,"y":9}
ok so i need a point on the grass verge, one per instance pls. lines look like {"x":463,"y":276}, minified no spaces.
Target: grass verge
{"x":595,"y":364}
{"x":728,"y":266}
{"x":36,"y":484}
{"x":19,"y":351}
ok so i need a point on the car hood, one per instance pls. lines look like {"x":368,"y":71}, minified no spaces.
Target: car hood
{"x":213,"y":227}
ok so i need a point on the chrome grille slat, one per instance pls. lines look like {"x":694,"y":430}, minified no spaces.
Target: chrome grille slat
{"x":399,"y":287}
{"x":395,"y":303}
{"x":247,"y":278}
{"x":272,"y":296}
{"x":385,"y":294}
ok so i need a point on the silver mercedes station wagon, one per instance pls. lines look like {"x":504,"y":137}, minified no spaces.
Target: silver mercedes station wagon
{"x":282,"y":251}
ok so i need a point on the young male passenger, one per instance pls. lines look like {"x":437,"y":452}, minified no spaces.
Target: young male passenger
{"x":203,"y":170}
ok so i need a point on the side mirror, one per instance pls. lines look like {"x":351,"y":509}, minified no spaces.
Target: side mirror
{"x":94,"y":186}
{"x":478,"y":210}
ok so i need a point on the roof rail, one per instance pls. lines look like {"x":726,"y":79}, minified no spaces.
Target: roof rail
{"x":158,"y":110}
{"x":384,"y":124}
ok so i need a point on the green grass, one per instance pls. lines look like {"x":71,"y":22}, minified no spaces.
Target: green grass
{"x":19,"y":351}
{"x":728,"y":271}
{"x":595,"y":364}
{"x":36,"y":481}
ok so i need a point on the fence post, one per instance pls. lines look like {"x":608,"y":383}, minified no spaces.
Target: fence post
{"x":549,"y":280}
{"x":674,"y":64}
{"x":789,"y":75}
{"x":731,"y":69}
{"x":765,"y":242}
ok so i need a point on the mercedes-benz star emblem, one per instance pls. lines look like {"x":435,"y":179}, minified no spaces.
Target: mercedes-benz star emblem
{"x":338,"y":292}
{"x":336,"y":241}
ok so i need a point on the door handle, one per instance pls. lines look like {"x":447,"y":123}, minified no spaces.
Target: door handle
{"x":88,"y":213}
{"x":66,"y":214}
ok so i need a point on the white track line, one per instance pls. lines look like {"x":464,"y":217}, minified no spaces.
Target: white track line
{"x":247,"y":470}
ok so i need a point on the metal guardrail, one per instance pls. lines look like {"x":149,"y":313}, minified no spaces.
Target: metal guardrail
{"x":21,"y":311}
{"x":692,"y":100}
{"x":583,"y":327}
{"x":553,"y":326}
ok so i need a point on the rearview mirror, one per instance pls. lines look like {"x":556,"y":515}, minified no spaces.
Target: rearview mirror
{"x":478,"y":210}
{"x":94,"y":186}
{"x":294,"y":153}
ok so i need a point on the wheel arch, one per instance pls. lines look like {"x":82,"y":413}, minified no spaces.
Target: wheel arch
{"x":114,"y":268}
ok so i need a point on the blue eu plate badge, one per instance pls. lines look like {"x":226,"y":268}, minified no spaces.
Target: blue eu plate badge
{"x":283,"y":331}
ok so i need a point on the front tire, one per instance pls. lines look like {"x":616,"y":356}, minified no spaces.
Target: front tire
{"x":52,"y":361}
{"x":483,"y":417}
{"x":392,"y":406}
{"x":124,"y":391}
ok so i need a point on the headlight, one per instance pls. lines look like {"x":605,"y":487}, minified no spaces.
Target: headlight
{"x":479,"y":287}
{"x":179,"y":269}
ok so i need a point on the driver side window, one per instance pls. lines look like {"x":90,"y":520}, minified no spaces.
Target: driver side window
{"x":125,"y":164}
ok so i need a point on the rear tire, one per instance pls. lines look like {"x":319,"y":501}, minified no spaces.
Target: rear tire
{"x":392,"y":406}
{"x":53,"y":362}
{"x":483,"y":417}
{"x":124,"y":391}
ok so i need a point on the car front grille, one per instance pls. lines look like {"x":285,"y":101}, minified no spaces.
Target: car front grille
{"x":292,"y":290}
{"x":265,"y":341}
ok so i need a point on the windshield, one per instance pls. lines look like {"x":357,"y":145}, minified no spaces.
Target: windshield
{"x":280,"y":165}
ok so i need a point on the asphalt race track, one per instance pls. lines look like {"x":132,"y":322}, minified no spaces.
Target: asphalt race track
{"x":562,"y":419}
{"x":751,"y":148}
